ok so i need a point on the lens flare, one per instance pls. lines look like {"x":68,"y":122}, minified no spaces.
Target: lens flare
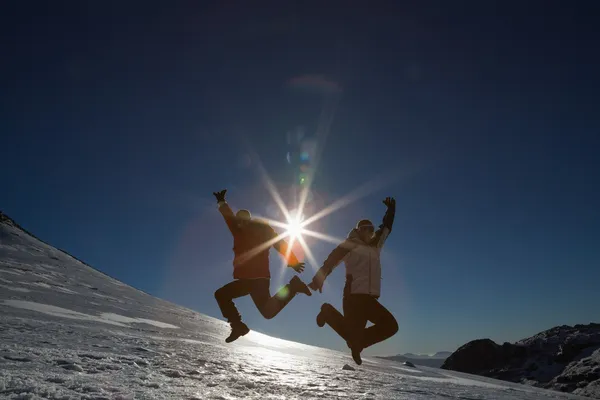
{"x":304,"y":156}
{"x":294,"y":227}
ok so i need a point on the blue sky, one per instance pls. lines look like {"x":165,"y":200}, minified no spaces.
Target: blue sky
{"x":119,"y":121}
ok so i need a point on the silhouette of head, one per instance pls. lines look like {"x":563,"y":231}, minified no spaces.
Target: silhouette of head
{"x":365,"y":230}
{"x":243,"y":217}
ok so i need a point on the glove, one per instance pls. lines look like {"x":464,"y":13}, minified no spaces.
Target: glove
{"x":297,"y":267}
{"x":389,"y":202}
{"x":220,"y":196}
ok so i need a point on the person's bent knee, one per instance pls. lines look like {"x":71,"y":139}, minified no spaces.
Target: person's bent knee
{"x":393,"y":326}
{"x":326,"y":307}
{"x":266,"y":312}
{"x":269,"y":316}
{"x":219,"y":294}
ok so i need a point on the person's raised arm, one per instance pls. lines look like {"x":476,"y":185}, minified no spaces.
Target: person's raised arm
{"x":385,"y":228}
{"x":226,"y":211}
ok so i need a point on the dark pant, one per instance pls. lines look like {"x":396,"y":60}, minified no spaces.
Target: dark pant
{"x":358,"y":309}
{"x":258,"y":289}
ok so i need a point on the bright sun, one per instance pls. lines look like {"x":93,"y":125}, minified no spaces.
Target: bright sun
{"x":294,"y":227}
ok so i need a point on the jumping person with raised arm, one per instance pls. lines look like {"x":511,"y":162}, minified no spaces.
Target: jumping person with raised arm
{"x":360,"y":252}
{"x":252,"y":241}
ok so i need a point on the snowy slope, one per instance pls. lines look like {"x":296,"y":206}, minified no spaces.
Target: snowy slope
{"x":68,"y":331}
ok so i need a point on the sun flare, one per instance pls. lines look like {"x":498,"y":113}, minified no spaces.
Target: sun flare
{"x":295,"y":224}
{"x":294,"y":227}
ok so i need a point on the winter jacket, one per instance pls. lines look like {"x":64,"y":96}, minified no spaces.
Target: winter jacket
{"x":251,"y":245}
{"x":362,"y":260}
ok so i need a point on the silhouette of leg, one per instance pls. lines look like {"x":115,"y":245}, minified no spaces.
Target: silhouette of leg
{"x":355,"y":318}
{"x":269,"y":306}
{"x":385,"y":325}
{"x":226,"y":294}
{"x":334,"y":319}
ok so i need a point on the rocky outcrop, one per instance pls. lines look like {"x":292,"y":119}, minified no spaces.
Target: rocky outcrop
{"x":480,"y":355}
{"x":564,"y":358}
{"x":579,"y":375}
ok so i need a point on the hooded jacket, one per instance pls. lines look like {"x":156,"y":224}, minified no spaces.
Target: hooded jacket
{"x":251,"y":245}
{"x":362,"y":260}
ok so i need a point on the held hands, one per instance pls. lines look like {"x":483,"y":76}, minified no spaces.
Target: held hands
{"x":220,"y":196}
{"x":316,"y":286}
{"x":299,"y":268}
{"x":389,"y":202}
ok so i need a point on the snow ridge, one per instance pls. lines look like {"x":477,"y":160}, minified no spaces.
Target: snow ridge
{"x":68,"y":331}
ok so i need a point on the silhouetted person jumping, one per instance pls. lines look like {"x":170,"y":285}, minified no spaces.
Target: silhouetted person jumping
{"x":252,"y":241}
{"x":361,"y":253}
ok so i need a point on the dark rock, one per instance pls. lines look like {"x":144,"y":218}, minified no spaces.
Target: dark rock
{"x":563,"y":358}
{"x":478,"y":355}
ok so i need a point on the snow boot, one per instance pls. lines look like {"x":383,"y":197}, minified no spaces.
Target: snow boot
{"x":356,"y":355}
{"x":297,"y":286}
{"x":356,"y":350}
{"x":238,"y":329}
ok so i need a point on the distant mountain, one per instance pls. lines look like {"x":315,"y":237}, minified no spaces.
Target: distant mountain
{"x":564,"y":358}
{"x":415,"y":356}
{"x":434,"y":361}
{"x":439,"y":354}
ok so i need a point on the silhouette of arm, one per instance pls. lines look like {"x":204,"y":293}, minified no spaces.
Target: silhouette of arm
{"x":228,"y":215}
{"x":282,"y":247}
{"x":385,"y":228}
{"x":332,"y":261}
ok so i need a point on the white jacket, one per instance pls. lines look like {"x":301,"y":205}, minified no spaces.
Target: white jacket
{"x":362,"y":260}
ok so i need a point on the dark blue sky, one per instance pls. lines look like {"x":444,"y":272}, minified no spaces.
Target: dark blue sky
{"x":119,"y":119}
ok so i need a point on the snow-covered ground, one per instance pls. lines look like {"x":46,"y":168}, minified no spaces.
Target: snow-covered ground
{"x":68,"y":331}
